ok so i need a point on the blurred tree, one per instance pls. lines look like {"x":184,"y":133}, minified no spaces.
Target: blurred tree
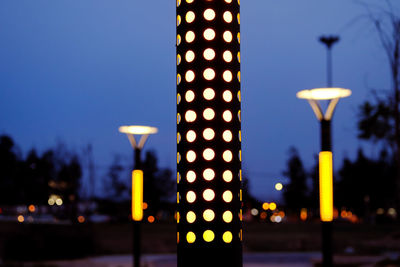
{"x":116,"y":189}
{"x":380,"y":121}
{"x":159,"y":186}
{"x":366,"y":185}
{"x":296,"y":191}
{"x":8,"y":171}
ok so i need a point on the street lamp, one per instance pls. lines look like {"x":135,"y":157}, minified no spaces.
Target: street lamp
{"x":137,"y":181}
{"x":314,"y":96}
{"x":209,"y":196}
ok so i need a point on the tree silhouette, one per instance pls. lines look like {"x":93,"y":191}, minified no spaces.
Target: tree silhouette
{"x":296,"y":191}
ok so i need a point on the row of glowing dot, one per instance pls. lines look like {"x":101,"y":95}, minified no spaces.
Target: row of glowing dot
{"x":209,"y":154}
{"x":208,"y":14}
{"x":208,"y":114}
{"x":208,"y":216}
{"x":208,"y":34}
{"x":209,"y":236}
{"x":208,"y":94}
{"x":208,"y":74}
{"x":209,"y":175}
{"x":208,"y":134}
{"x":208,"y":54}
{"x":178,"y":2}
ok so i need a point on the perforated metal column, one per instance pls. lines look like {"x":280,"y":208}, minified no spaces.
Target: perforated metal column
{"x":208,"y":133}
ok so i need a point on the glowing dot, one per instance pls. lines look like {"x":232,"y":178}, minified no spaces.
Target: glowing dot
{"x":190,"y":217}
{"x":178,"y":159}
{"x":59,"y":201}
{"x":228,"y":1}
{"x":81,"y":219}
{"x":209,"y":14}
{"x":227,"y":96}
{"x":209,"y":34}
{"x":228,"y":16}
{"x":208,"y":154}
{"x":238,"y":76}
{"x":190,"y":237}
{"x":32,"y":208}
{"x":178,"y":59}
{"x":240,"y":136}
{"x":239,"y":96}
{"x":189,"y":56}
{"x":190,"y":176}
{"x":191,"y":156}
{"x":189,"y":76}
{"x":178,"y":2}
{"x":227,"y":75}
{"x":228,"y":36}
{"x":208,"y":174}
{"x":238,"y":57}
{"x":189,"y":1}
{"x":190,"y":136}
{"x":209,"y":94}
{"x":190,"y":16}
{"x":227,"y":196}
{"x":208,"y":194}
{"x":189,"y":37}
{"x":239,"y":116}
{"x":208,"y":134}
{"x":209,"y":54}
{"x":227,"y":56}
{"x":227,"y":237}
{"x":208,"y":215}
{"x":227,"y":156}
{"x":178,"y":39}
{"x":227,"y":176}
{"x":208,"y":114}
{"x":227,"y":216}
{"x":227,"y":116}
{"x":238,"y":37}
{"x":178,"y":20}
{"x":227,"y":136}
{"x":189,"y":96}
{"x":178,"y":79}
{"x":265,"y":206}
{"x":178,"y":118}
{"x":191,"y":196}
{"x":20,"y":218}
{"x":208,"y":235}
{"x":209,"y":74}
{"x":272,"y":206}
{"x":238,"y":18}
{"x":178,"y":179}
{"x":278,"y":186}
{"x":190,"y":116}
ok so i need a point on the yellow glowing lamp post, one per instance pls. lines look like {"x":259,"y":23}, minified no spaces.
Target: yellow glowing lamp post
{"x":137,"y":181}
{"x":314,"y":96}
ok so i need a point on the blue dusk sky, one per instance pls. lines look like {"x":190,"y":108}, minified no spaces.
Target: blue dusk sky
{"x":74,"y":71}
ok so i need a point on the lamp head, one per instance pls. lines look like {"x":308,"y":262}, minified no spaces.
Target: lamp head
{"x":323,"y":93}
{"x":137,"y":129}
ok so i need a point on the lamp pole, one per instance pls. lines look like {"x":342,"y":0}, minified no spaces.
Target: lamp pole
{"x":137,"y":183}
{"x":326,"y":145}
{"x":329,"y":41}
{"x":314,"y":96}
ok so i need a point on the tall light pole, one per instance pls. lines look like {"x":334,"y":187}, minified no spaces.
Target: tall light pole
{"x":209,"y":196}
{"x":137,"y":182}
{"x":329,"y":41}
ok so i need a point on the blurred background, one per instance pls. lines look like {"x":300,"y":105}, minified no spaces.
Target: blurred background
{"x":72,"y":72}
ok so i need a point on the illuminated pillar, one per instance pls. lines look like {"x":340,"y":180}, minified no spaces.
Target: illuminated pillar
{"x":208,"y":133}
